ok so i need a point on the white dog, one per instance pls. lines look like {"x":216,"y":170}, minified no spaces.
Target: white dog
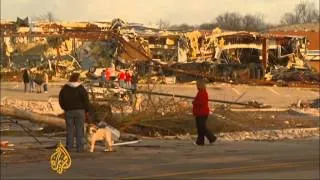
{"x":106,"y":134}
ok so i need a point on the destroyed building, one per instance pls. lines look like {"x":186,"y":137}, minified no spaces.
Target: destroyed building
{"x":311,"y":32}
{"x":218,"y":55}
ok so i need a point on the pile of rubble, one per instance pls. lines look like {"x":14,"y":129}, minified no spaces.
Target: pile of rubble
{"x":9,"y":74}
{"x":306,"y":107}
{"x":41,"y":107}
{"x":307,"y":104}
{"x":218,"y":55}
{"x":262,"y":135}
{"x":265,"y":135}
{"x":284,"y":74}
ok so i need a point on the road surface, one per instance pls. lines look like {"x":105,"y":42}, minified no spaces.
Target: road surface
{"x":277,"y":97}
{"x":172,"y":159}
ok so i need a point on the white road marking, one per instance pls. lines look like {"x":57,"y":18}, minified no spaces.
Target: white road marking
{"x":236,"y":91}
{"x":273,"y":91}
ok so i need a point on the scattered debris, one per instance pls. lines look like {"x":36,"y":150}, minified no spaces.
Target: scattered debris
{"x":261,"y":135}
{"x":126,"y":143}
{"x":5,"y":146}
{"x":306,"y":107}
{"x":51,"y":107}
{"x":219,"y":55}
{"x":267,"y":135}
{"x":284,"y":75}
{"x":308,"y":111}
{"x":257,"y":104}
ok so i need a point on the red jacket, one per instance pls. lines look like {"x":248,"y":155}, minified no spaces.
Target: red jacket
{"x":128,"y":77}
{"x":108,"y":73}
{"x":200,"y":103}
{"x":122,"y":76}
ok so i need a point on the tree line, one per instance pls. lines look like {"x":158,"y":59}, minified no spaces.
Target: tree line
{"x":304,"y":12}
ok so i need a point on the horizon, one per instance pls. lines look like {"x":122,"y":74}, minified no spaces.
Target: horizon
{"x":175,"y":12}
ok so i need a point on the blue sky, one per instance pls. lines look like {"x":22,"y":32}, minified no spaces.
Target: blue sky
{"x":146,"y":11}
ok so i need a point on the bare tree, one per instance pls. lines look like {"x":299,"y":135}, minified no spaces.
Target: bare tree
{"x":47,"y":17}
{"x":253,"y":22}
{"x":288,"y":18}
{"x":163,"y":24}
{"x":207,"y":26}
{"x":235,"y":21}
{"x":50,"y":17}
{"x":304,"y":12}
{"x":229,"y":21}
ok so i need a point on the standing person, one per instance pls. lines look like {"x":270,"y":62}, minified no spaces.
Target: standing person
{"x":26,"y":79}
{"x":39,"y":81}
{"x":32,"y":83}
{"x":103,"y":78}
{"x":108,"y":73}
{"x":122,"y":77}
{"x":134,"y":82}
{"x":46,"y":82}
{"x":108,"y":76}
{"x":74,"y":100}
{"x":128,"y":79}
{"x":201,"y":112}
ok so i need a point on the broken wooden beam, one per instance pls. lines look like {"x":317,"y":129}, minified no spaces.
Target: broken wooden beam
{"x":33,"y":117}
{"x":45,"y":119}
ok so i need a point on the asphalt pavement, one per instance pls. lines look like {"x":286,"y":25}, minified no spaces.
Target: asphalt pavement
{"x":277,"y":97}
{"x":180,"y":159}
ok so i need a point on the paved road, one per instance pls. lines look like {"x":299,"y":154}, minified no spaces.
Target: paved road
{"x":278,"y":97}
{"x":172,"y":159}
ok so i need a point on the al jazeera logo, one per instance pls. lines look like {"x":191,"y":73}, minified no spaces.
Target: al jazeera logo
{"x":60,"y":160}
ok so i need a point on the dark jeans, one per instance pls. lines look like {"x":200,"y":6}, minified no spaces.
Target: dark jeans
{"x":75,"y":118}
{"x":26,"y":86}
{"x":134,"y":87}
{"x":32,"y":84}
{"x":45,"y":87}
{"x":203,"y":131}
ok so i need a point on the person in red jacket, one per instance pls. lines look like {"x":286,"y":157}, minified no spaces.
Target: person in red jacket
{"x":108,"y":76}
{"x":108,"y":73}
{"x":128,"y":79}
{"x":122,"y":77}
{"x":201,"y":112}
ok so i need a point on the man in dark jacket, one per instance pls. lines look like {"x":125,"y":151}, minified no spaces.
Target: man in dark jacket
{"x":74,"y":100}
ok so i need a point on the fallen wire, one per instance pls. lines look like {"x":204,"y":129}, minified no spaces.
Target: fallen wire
{"x":25,"y":129}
